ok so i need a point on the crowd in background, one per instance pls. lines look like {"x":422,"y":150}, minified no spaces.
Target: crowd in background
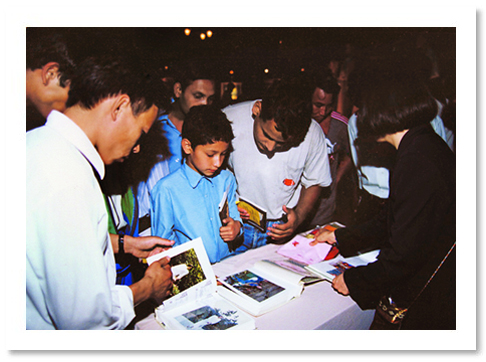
{"x":312,"y":122}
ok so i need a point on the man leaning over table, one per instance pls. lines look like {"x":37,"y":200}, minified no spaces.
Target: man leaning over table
{"x":277,"y":148}
{"x":70,"y":264}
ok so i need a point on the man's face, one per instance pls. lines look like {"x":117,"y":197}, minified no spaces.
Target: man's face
{"x":322,"y":105}
{"x":127,"y":134}
{"x":207,"y":159}
{"x":267,"y":137}
{"x":198,"y":93}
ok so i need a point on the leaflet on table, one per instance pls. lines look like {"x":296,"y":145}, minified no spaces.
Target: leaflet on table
{"x":258,"y":215}
{"x":299,"y":248}
{"x":194,"y":302}
{"x":261,"y":288}
{"x":329,"y":269}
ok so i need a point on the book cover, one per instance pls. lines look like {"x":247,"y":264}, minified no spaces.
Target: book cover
{"x":194,"y":302}
{"x":258,"y":215}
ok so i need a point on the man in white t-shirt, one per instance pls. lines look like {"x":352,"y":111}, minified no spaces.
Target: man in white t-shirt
{"x":277,"y":148}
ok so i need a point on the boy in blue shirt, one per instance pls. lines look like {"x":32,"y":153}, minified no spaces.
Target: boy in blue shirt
{"x":186,"y":203}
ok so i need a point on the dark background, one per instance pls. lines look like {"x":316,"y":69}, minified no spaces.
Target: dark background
{"x":248,"y":51}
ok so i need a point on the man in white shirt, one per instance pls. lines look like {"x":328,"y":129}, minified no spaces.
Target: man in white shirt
{"x":70,"y":265}
{"x":277,"y":149}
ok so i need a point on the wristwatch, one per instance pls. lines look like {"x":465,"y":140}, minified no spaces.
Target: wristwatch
{"x":121,"y":241}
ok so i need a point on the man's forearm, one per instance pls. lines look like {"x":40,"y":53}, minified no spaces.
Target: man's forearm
{"x":307,"y":200}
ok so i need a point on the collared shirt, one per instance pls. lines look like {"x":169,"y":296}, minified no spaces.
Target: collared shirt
{"x":174,"y":137}
{"x":70,"y":268}
{"x":162,"y":168}
{"x":375,"y":180}
{"x":274,"y":182}
{"x":185,"y":206}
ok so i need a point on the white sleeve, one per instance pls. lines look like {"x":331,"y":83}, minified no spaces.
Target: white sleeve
{"x":317,"y":170}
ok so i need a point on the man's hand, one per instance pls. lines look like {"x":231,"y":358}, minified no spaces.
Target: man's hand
{"x":324,"y":236}
{"x":339,"y":285}
{"x":145,"y":246}
{"x":280,"y":232}
{"x":156,"y":283}
{"x":244,"y":214}
{"x":230,"y":230}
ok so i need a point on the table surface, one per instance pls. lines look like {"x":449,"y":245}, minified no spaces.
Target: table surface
{"x":318,"y":307}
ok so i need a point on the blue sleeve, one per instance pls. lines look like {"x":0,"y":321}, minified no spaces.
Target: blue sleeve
{"x":233,"y":208}
{"x":162,"y":212}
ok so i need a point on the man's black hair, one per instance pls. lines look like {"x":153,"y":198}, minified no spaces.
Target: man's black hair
{"x":207,"y":124}
{"x":288,"y":103}
{"x":325,"y":80}
{"x":99,"y":78}
{"x":44,"y":45}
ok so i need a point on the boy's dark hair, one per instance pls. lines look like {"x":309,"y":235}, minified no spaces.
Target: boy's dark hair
{"x":44,"y":45}
{"x":207,"y":124}
{"x":99,"y":78}
{"x":288,"y":103}
{"x":394,"y":104}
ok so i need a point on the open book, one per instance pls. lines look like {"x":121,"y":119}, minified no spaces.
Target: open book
{"x":194,"y":303}
{"x":329,"y":269}
{"x":258,"y":215}
{"x":263,"y":287}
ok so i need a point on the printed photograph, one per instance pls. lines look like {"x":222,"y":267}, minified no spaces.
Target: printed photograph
{"x":253,"y":285}
{"x":186,"y":271}
{"x":208,"y":318}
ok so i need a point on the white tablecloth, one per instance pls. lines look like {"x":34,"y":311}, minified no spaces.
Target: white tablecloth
{"x":319,"y":306}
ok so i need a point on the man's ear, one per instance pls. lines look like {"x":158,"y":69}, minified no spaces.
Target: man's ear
{"x":120,"y":104}
{"x":186,"y":146}
{"x":256,"y":109}
{"x":50,"y":73}
{"x":177,"y":89}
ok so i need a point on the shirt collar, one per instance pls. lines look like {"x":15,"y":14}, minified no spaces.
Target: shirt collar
{"x":74,"y":134}
{"x":192,"y":176}
{"x":165,"y":119}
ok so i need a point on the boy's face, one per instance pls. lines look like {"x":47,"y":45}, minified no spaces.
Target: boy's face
{"x":205,"y":159}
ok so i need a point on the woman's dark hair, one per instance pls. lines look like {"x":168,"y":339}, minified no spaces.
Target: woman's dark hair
{"x":393,"y":104}
{"x":98,"y":78}
{"x":206,"y":124}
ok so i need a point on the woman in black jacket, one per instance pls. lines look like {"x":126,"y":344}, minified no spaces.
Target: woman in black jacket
{"x":416,"y":229}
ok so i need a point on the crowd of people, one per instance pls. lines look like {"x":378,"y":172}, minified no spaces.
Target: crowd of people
{"x":122,"y":164}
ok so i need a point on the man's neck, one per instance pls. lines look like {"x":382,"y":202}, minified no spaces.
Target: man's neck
{"x":177,"y":119}
{"x":326,"y":125}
